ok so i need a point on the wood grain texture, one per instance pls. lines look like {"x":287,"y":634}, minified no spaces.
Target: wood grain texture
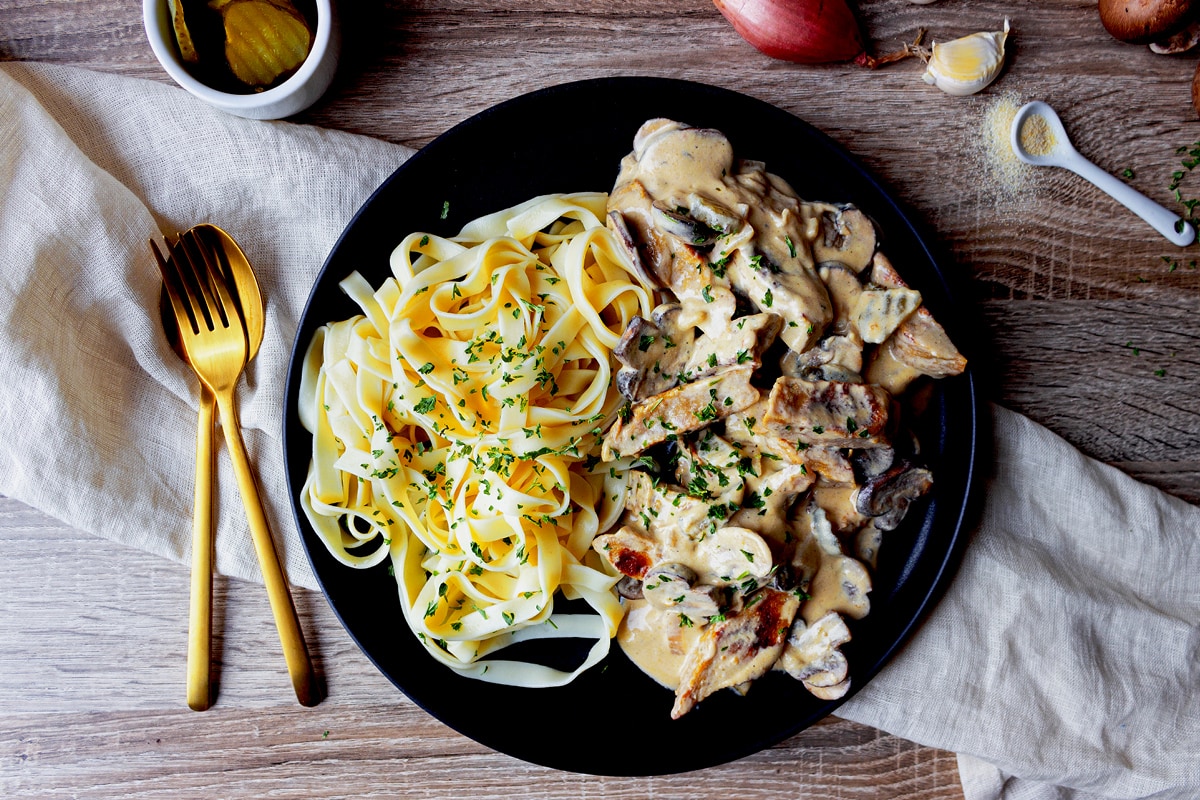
{"x":92,"y":666}
{"x":1070,"y":313}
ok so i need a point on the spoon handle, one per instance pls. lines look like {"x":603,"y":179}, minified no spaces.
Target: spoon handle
{"x":295,"y":652}
{"x":199,"y":654}
{"x":1163,"y":220}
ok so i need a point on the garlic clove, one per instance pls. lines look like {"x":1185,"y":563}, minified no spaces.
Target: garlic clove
{"x":965,"y":66}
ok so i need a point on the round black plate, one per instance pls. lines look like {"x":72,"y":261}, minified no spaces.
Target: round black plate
{"x":613,"y":720}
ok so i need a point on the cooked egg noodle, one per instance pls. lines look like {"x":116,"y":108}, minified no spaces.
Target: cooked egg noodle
{"x":452,"y":423}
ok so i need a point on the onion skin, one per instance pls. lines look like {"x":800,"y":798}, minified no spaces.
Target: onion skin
{"x":800,"y":31}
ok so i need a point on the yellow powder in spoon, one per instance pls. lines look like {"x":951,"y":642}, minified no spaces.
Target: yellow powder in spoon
{"x":1036,"y":136}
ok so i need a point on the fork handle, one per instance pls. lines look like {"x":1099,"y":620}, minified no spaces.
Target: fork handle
{"x":304,"y":679}
{"x":199,"y":657}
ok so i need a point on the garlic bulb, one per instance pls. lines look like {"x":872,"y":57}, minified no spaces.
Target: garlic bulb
{"x":965,"y":66}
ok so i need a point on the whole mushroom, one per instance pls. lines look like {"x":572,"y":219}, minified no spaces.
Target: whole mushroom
{"x":1145,"y":21}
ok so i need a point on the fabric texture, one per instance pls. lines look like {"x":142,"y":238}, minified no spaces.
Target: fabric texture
{"x":1063,"y":661}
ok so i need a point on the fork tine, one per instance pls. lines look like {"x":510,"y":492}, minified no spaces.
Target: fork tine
{"x":217,"y":281}
{"x":213,"y":281}
{"x":172,"y":280}
{"x":196,"y":283}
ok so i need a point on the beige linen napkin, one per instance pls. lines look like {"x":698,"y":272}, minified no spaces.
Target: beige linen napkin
{"x":1063,"y":662}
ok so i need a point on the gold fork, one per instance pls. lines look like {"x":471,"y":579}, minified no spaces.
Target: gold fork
{"x":213,"y":335}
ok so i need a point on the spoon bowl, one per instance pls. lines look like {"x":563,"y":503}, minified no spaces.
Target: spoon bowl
{"x":1039,"y":138}
{"x":248,"y":301}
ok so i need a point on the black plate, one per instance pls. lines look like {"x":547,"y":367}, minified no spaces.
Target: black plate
{"x":613,"y":720}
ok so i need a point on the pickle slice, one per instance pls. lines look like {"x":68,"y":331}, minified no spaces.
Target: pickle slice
{"x":265,"y":40}
{"x":183,"y":34}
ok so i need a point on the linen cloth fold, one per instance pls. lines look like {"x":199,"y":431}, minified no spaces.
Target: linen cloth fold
{"x":1063,"y":661}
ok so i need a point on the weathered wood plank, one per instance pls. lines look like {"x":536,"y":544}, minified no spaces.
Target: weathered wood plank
{"x":1073,"y":308}
{"x":92,"y":646}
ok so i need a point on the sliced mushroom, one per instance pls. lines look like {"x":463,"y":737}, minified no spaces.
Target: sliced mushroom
{"x":840,"y":355}
{"x":844,"y":290}
{"x":887,"y":497}
{"x":872,"y":462}
{"x":629,"y":587}
{"x":679,"y":223}
{"x":715,"y":215}
{"x":631,"y":218}
{"x":867,"y":542}
{"x":735,"y":556}
{"x":835,"y":692}
{"x":618,"y":225}
{"x":700,"y":223}
{"x":813,"y":656}
{"x":843,"y":584}
{"x":847,"y":236}
{"x":834,"y":581}
{"x":674,"y":587}
{"x":652,"y":352}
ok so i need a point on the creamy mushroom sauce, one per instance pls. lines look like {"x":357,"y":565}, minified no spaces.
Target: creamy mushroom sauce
{"x":762,"y":424}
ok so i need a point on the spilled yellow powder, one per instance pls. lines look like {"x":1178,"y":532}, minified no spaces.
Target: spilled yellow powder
{"x":1036,"y":136}
{"x":1005,"y":177}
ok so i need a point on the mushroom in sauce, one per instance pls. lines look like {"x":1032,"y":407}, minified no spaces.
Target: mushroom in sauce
{"x":761,"y":399}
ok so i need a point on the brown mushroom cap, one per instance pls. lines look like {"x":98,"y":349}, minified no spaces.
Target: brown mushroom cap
{"x":1143,"y":21}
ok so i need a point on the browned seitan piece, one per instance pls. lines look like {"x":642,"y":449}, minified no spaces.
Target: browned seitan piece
{"x":737,"y":650}
{"x":826,"y":413}
{"x":685,"y":408}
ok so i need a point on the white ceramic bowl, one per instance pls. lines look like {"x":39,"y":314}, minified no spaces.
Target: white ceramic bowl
{"x":292,"y":96}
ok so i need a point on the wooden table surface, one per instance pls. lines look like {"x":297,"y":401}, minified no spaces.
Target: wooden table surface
{"x":1086,"y":321}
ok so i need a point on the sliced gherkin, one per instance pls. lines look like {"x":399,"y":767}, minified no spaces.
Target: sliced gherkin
{"x":265,"y":40}
{"x":183,"y":33}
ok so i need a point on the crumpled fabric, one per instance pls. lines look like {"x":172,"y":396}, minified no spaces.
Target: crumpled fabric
{"x":1063,"y":661}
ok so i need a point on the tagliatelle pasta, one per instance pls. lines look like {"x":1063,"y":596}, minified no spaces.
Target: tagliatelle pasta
{"x":453,"y":427}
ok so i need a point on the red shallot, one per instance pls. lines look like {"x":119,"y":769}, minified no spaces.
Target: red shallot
{"x":803,"y":31}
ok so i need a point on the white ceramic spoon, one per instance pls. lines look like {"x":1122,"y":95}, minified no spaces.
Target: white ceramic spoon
{"x":1059,"y":152}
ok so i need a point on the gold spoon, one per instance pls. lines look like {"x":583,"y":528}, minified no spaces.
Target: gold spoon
{"x":250,"y":304}
{"x":215,"y":339}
